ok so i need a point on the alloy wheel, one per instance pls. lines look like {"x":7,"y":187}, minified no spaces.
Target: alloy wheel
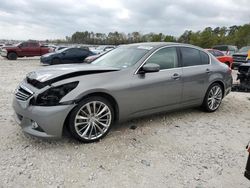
{"x":93,"y":120}
{"x":214,"y":97}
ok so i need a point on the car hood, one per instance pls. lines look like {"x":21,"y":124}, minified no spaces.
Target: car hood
{"x":51,"y":74}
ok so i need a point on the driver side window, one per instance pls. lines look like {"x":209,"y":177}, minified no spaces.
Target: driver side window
{"x":167,"y":58}
{"x":24,"y":45}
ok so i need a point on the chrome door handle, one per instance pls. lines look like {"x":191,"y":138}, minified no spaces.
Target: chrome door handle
{"x":176,"y":76}
{"x":208,"y":70}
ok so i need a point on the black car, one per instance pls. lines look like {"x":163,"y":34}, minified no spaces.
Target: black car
{"x":241,"y":56}
{"x":66,"y":55}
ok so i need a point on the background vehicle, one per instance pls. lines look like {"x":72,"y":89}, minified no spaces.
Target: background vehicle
{"x":24,"y":49}
{"x":226,"y":49}
{"x":128,"y":82}
{"x":66,"y":55}
{"x":94,"y":57}
{"x":60,"y":48}
{"x":241,"y":56}
{"x":228,"y":60}
{"x":244,"y":76}
{"x":101,"y":49}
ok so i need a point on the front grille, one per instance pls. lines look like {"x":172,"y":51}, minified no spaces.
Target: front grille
{"x":22,"y":93}
{"x":239,"y":58}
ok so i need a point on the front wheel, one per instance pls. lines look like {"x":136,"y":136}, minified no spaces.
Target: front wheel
{"x":91,"y":120}
{"x":213,"y":98}
{"x":12,"y":56}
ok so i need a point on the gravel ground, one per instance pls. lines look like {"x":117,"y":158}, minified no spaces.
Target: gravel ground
{"x":188,"y":148}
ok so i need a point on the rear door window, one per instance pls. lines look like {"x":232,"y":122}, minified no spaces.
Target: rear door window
{"x":193,"y":57}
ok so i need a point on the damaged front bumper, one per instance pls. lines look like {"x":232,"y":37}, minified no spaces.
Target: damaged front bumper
{"x":41,"y":121}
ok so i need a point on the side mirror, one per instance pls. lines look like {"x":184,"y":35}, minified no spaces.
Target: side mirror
{"x":63,"y":53}
{"x":150,"y":67}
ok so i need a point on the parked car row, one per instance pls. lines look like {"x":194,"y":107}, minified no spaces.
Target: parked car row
{"x":34,"y":48}
{"x":51,"y":54}
{"x":239,"y":57}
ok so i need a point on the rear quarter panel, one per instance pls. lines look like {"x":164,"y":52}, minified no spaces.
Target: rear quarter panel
{"x":220,"y":72}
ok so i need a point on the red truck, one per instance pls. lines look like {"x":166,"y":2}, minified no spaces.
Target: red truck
{"x":24,"y":49}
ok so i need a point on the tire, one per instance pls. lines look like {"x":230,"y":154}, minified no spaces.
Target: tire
{"x":213,"y":98}
{"x":12,"y":56}
{"x":56,"y":61}
{"x":91,"y":120}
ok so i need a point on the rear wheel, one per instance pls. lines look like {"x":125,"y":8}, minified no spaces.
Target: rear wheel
{"x":213,"y":98}
{"x":12,"y":56}
{"x":91,"y":120}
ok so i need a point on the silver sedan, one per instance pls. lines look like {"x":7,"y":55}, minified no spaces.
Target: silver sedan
{"x":129,"y":82}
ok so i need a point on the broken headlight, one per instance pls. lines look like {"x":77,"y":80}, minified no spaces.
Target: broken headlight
{"x":53,"y":95}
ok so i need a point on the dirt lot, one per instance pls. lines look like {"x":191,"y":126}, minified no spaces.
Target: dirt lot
{"x":188,"y":148}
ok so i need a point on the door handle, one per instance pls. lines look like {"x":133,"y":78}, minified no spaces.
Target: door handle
{"x":176,"y":76}
{"x":208,"y":71}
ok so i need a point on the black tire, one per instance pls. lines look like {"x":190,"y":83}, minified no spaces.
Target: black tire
{"x":206,"y":105}
{"x":55,"y":61}
{"x":89,"y":122}
{"x":12,"y":56}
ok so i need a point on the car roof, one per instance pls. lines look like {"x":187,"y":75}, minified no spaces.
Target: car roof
{"x":155,"y":45}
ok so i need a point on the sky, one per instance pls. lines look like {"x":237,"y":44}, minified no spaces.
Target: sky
{"x":55,"y":19}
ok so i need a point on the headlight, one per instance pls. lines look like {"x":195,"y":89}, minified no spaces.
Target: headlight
{"x":53,"y":95}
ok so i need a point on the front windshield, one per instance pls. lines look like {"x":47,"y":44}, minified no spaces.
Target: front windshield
{"x":61,"y":50}
{"x":17,"y":44}
{"x":121,"y":57}
{"x":244,"y":49}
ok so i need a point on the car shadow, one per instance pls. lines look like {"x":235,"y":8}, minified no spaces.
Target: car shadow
{"x":116,"y":131}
